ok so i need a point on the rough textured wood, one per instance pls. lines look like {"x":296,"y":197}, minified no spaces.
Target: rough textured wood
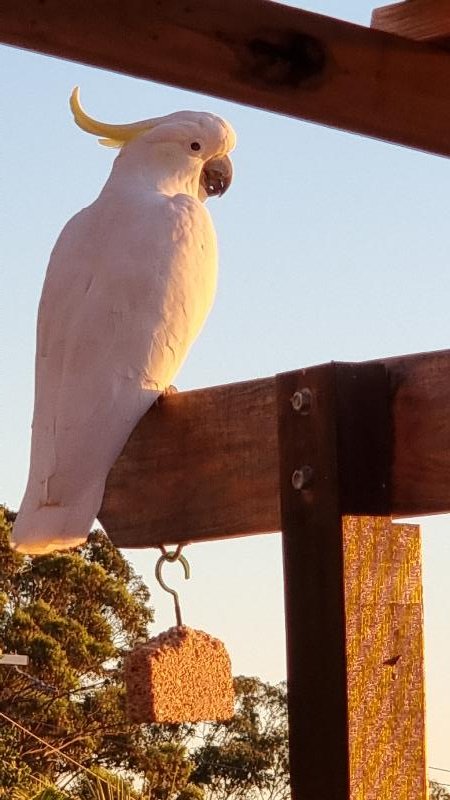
{"x":364,"y":437}
{"x":201,"y":465}
{"x":385,"y":665}
{"x":420,"y":402}
{"x":314,"y":588}
{"x":354,"y":616}
{"x":204,"y":464}
{"x":260,"y":53}
{"x":422,"y":20}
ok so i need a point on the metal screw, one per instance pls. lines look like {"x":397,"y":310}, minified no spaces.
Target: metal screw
{"x":302,"y":478}
{"x":301,"y":401}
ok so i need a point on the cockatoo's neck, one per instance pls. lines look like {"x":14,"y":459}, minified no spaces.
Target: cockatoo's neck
{"x":161,"y":168}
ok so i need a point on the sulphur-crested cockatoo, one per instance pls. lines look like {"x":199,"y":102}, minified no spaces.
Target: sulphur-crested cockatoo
{"x":129,"y":284}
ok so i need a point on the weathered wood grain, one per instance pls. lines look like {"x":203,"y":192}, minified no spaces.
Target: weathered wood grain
{"x":353,"y":604}
{"x":255,"y":52}
{"x":420,"y":402}
{"x":422,"y":20}
{"x":385,"y":664}
{"x":314,"y":587}
{"x":201,"y":465}
{"x":204,"y":464}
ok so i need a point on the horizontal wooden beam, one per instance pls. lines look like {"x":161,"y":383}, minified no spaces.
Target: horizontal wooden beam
{"x":205,"y":464}
{"x":422,"y":20}
{"x":256,"y":52}
{"x":420,"y":409}
{"x":200,"y":465}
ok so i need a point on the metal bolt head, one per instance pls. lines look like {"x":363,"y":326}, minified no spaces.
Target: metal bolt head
{"x":301,"y":401}
{"x":302,"y":478}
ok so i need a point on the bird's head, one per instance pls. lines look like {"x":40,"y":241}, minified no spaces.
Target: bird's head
{"x":200,"y":139}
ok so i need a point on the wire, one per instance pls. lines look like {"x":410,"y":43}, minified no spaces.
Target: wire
{"x":440,"y":769}
{"x":47,"y":744}
{"x":95,"y":775}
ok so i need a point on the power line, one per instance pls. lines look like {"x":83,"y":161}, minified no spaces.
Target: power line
{"x":47,"y":744}
{"x":54,"y":749}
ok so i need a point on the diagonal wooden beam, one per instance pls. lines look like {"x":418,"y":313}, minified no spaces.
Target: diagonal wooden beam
{"x":205,"y":464}
{"x":255,"y":52}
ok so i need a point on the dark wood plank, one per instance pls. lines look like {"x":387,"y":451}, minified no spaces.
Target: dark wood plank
{"x":364,"y":438}
{"x":201,"y":465}
{"x":420,"y":402}
{"x":422,"y":20}
{"x":255,"y":52}
{"x":204,"y":464}
{"x":314,"y":588}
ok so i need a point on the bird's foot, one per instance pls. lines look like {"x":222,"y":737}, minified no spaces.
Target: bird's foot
{"x":170,"y":390}
{"x":166,"y":393}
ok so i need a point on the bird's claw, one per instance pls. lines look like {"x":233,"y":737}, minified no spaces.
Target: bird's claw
{"x":166,"y":393}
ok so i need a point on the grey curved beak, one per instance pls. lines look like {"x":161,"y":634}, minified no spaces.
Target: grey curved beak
{"x":216,"y":176}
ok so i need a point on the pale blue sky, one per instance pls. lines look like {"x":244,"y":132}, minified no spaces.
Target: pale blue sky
{"x":332,"y":246}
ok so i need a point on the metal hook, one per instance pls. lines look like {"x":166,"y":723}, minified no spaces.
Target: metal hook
{"x":175,"y":555}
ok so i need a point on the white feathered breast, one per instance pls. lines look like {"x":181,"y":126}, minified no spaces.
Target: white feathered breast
{"x":127,"y":290}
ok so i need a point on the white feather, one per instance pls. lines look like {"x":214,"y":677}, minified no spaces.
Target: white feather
{"x":129,"y":284}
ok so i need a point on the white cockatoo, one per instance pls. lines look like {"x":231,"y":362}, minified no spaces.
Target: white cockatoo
{"x":129,"y":284}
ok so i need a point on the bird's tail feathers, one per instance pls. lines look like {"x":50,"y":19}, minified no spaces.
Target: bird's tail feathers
{"x":43,"y":528}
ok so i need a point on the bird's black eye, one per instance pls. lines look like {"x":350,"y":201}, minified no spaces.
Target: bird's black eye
{"x":195,"y":145}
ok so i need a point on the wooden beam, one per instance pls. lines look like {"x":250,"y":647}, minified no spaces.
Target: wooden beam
{"x":353,"y":602}
{"x":204,"y":464}
{"x":255,"y":52}
{"x":422,"y":20}
{"x":385,"y":664}
{"x":200,"y":465}
{"x":313,"y":556}
{"x":420,"y":409}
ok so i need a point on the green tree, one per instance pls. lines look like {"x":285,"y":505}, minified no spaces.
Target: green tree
{"x":438,"y":792}
{"x":105,"y":786}
{"x":74,"y":613}
{"x":247,"y":757}
{"x":39,"y":789}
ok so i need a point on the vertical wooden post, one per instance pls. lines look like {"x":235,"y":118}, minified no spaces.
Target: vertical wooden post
{"x":385,"y":670}
{"x":341,"y":579}
{"x":334,"y":453}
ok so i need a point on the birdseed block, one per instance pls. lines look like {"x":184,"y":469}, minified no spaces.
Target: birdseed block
{"x":182,"y":675}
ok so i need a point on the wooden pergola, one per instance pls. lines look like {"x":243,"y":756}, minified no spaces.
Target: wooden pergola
{"x":327,"y":455}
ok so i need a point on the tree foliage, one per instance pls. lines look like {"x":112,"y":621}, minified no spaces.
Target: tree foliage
{"x":75,"y":613}
{"x":249,"y":755}
{"x":438,"y":792}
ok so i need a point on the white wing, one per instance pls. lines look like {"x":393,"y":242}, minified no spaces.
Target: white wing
{"x":127,"y":291}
